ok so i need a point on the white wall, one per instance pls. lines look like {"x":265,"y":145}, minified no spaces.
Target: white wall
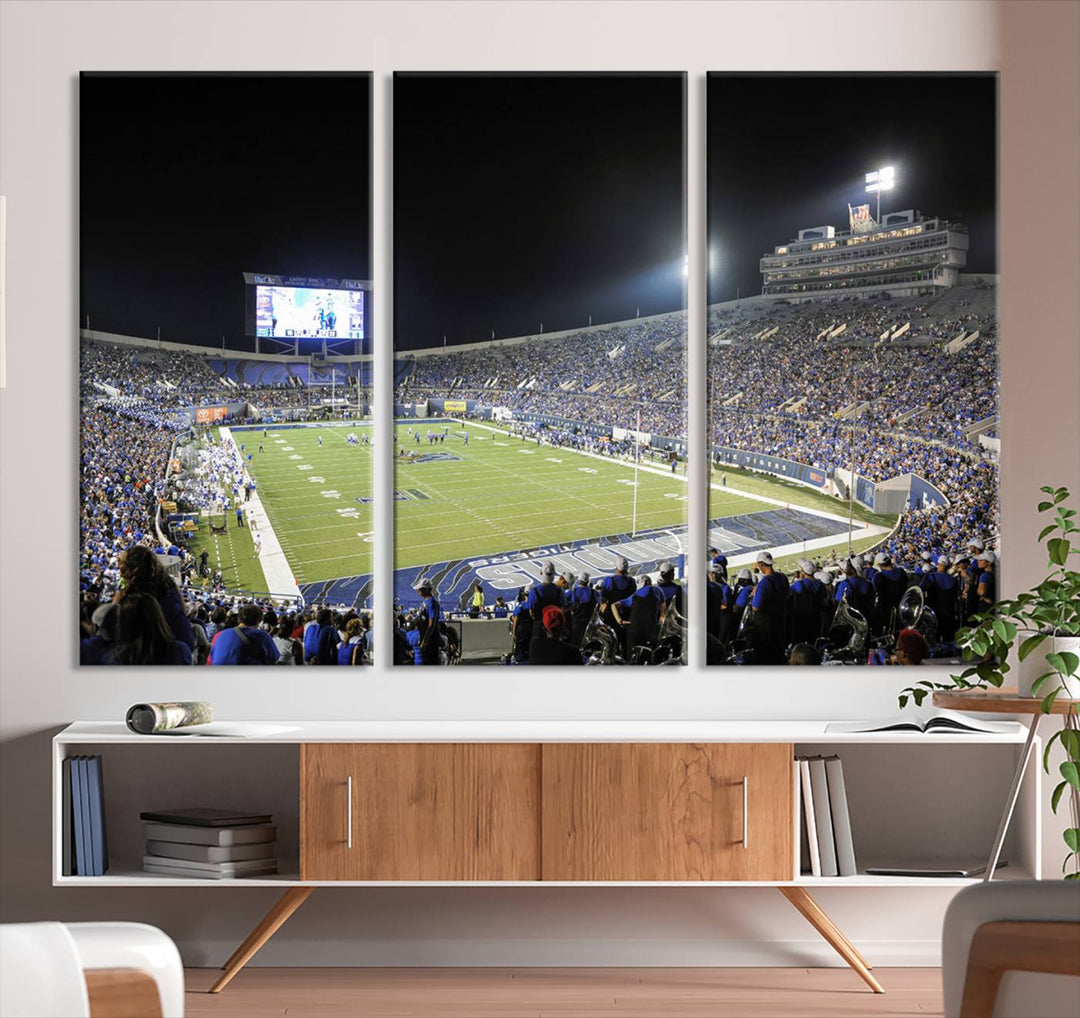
{"x":44,"y":45}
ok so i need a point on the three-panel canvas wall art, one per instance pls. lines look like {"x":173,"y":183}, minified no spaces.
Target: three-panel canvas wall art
{"x":537,"y":340}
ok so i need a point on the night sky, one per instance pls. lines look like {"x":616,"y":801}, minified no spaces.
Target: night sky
{"x":521,"y":199}
{"x":188,"y":181}
{"x":789,"y":152}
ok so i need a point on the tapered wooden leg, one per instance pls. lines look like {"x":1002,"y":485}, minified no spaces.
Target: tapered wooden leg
{"x":816,"y":917}
{"x":285,"y":906}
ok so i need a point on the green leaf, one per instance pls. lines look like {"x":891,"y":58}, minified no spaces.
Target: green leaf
{"x":1071,"y":773}
{"x":903,"y":701}
{"x":1060,"y":495}
{"x":1048,"y":489}
{"x":1072,"y":838}
{"x":1058,"y":549}
{"x":1031,"y":643}
{"x":920,"y":695}
{"x":1067,"y":662}
{"x":1056,"y":795}
{"x":1041,"y":681}
{"x":1070,"y":739}
{"x":1072,"y":876}
{"x":1043,"y":506}
{"x":1059,"y":734}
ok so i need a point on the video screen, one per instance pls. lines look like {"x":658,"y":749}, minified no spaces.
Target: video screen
{"x":292,"y":312}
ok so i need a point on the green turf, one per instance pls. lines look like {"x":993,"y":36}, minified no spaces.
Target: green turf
{"x":506,"y":495}
{"x":319,"y":542}
{"x":790,"y":492}
{"x":232,"y":553}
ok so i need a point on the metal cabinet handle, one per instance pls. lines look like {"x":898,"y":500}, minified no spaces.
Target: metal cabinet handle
{"x":348,"y":811}
{"x":745,"y":811}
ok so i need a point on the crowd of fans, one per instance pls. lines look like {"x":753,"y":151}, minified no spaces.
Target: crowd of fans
{"x":150,"y":621}
{"x":169,"y":380}
{"x":784,"y":381}
{"x":854,"y":610}
{"x":616,"y":375}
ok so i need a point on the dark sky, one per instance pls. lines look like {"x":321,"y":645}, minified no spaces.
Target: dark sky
{"x":521,"y":199}
{"x":188,"y":181}
{"x":789,"y":152}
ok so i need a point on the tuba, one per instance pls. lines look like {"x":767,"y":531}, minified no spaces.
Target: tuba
{"x":913,"y":613}
{"x":600,"y":643}
{"x":672,"y":638}
{"x":848,"y":618}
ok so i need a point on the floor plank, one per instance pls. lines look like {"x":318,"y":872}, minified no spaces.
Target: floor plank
{"x":564,"y":993}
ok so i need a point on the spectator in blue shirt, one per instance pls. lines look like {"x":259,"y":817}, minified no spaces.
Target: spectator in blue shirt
{"x":546,"y":592}
{"x":521,"y":626}
{"x":769,"y":604}
{"x":859,"y":593}
{"x":987,"y":588}
{"x":644,"y":611}
{"x":672,"y":591}
{"x":430,"y":610}
{"x":616,"y":588}
{"x":326,"y":639}
{"x":942,"y":591}
{"x":245,"y":643}
{"x":581,"y":602}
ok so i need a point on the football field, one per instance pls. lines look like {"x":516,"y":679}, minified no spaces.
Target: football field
{"x":318,"y":499}
{"x":499,"y":495}
{"x":491,"y":509}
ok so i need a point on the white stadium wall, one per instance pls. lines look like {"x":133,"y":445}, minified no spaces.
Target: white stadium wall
{"x":43,"y":46}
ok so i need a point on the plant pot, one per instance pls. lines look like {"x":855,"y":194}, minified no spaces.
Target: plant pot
{"x":1035,"y":665}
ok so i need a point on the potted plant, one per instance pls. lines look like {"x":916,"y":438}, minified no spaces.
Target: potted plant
{"x":1046,"y":622}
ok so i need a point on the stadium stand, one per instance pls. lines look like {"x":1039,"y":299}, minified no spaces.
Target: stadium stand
{"x":133,"y":400}
{"x":905,"y":385}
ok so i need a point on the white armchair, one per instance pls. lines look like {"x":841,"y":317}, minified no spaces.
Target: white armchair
{"x":1011,"y":949}
{"x":88,"y":970}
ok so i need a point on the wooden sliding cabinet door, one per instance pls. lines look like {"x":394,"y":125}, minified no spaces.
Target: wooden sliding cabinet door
{"x":433,"y":811}
{"x":664,"y":811}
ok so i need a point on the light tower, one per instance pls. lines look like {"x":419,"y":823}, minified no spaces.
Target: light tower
{"x":878,"y":181}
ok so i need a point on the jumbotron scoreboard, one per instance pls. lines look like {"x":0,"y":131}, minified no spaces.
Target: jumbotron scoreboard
{"x":294,"y":310}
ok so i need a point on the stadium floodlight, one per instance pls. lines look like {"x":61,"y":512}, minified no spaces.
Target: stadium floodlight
{"x":686,"y":266}
{"x":878,"y":181}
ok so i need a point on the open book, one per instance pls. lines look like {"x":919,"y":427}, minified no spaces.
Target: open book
{"x":943,"y":722}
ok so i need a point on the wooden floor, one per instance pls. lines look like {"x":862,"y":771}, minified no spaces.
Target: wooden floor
{"x":563,"y":993}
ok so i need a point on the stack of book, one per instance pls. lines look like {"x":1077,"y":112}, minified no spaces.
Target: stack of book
{"x":85,"y":848}
{"x":213,"y":844}
{"x":828,"y":849}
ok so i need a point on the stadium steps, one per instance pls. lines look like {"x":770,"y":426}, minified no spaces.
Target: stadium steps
{"x":908,"y":415}
{"x":973,"y":431}
{"x":853,"y":410}
{"x":965,"y":339}
{"x":732,"y":400}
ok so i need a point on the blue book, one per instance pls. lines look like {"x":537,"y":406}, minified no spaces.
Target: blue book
{"x":99,"y":855}
{"x":67,"y":848}
{"x":81,"y":816}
